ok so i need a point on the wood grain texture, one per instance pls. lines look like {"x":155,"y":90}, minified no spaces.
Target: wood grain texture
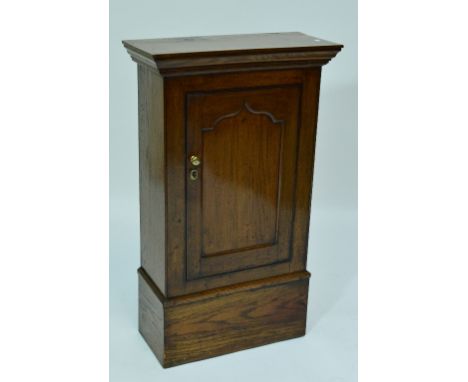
{"x":229,"y":319}
{"x":305,"y":168}
{"x":151,"y":321}
{"x":216,"y":45}
{"x":240,"y":178}
{"x":248,"y":156}
{"x":219,"y":92}
{"x":223,"y":253}
{"x":152,"y":175}
{"x":192,"y":55}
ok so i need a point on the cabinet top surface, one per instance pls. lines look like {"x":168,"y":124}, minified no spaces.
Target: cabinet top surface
{"x":206,"y":45}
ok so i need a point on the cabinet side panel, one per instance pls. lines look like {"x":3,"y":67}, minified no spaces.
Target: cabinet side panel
{"x":152,"y":175}
{"x":151,"y":318}
{"x":305,"y":168}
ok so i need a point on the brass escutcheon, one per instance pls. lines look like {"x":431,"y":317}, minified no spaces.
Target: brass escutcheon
{"x":195,"y":160}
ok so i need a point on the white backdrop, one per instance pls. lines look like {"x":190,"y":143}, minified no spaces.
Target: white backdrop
{"x":328,"y":352}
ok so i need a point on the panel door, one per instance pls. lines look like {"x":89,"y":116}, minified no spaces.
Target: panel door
{"x":241,"y":148}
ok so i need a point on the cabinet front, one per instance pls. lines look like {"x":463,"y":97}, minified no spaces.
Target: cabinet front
{"x":241,"y":159}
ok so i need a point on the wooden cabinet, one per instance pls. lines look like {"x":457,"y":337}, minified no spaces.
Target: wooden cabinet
{"x":227,"y":130}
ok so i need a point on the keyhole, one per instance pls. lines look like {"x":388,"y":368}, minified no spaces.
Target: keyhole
{"x":193,"y":174}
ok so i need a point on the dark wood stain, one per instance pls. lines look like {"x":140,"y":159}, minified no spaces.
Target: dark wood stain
{"x":151,"y":320}
{"x":246,"y":178}
{"x":261,"y":90}
{"x":181,"y":56}
{"x":152,"y":174}
{"x":226,"y":319}
{"x":224,"y":241}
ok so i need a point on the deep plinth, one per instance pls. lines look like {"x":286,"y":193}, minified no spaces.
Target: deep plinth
{"x":223,"y":320}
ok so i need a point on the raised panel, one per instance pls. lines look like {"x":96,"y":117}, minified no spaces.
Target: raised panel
{"x":242,"y":156}
{"x":195,"y":102}
{"x":240,"y":208}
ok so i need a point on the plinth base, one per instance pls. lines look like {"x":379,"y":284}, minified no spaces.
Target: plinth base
{"x":223,"y":320}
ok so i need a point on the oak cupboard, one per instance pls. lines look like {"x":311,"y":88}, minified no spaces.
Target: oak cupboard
{"x":227,"y":128}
